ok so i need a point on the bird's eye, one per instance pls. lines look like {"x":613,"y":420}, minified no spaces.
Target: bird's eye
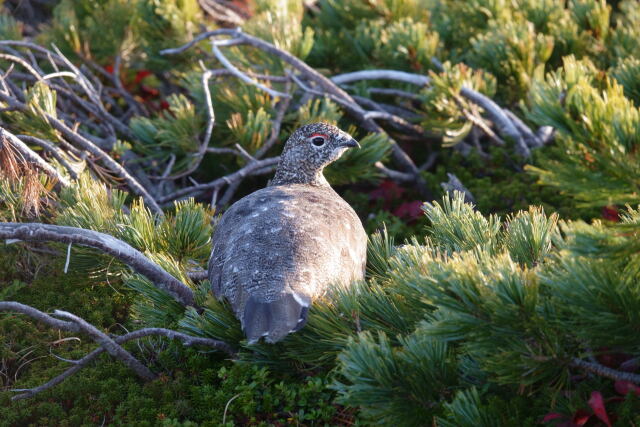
{"x":318,"y":141}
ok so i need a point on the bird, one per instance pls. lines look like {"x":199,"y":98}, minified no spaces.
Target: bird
{"x":279,"y":248}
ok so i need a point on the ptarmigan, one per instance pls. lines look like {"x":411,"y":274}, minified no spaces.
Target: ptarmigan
{"x":280,"y":247}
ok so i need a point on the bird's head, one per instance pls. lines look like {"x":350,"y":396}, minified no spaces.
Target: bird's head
{"x":309,"y":150}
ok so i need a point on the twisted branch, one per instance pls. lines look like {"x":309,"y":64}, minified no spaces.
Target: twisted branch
{"x":34,"y":232}
{"x":329,"y":87}
{"x":111,"y":345}
{"x":604,"y":371}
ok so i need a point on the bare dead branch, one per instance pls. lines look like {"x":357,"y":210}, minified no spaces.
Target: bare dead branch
{"x":218,"y":150}
{"x":109,"y":345}
{"x":394,"y":175}
{"x":51,"y":148}
{"x":431,"y":160}
{"x":415,"y":79}
{"x":198,"y":276}
{"x":545,"y":133}
{"x":605,"y":371}
{"x":77,"y":324}
{"x":504,"y":124}
{"x":228,"y":194}
{"x":107,"y":160}
{"x":399,"y":155}
{"x":31,"y":156}
{"x":211,"y":121}
{"x":221,"y":13}
{"x":454,"y":184}
{"x":394,"y":92}
{"x":276,"y":124}
{"x":242,"y":76}
{"x":34,"y":232}
{"x":381,"y":113}
{"x":499,"y":118}
{"x":242,"y":173}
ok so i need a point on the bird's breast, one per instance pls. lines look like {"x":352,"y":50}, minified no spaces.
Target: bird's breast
{"x":289,"y":238}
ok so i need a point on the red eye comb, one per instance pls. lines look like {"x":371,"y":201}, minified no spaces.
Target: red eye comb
{"x":313,"y":135}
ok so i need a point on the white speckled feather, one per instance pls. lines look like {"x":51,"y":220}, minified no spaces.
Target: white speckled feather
{"x":278,"y":248}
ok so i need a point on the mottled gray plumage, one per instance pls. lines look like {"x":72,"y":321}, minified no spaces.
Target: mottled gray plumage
{"x":280,"y":247}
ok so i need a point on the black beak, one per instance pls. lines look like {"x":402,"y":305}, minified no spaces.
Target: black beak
{"x":350,"y":143}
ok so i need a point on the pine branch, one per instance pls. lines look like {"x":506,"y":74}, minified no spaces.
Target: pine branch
{"x":211,"y":122}
{"x":34,"y":232}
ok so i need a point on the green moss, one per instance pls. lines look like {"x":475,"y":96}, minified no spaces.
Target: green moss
{"x":193,"y":387}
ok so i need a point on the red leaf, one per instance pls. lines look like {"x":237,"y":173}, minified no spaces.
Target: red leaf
{"x":581,"y":417}
{"x":626,"y":387}
{"x":149,"y":92}
{"x":108,"y":69}
{"x":597,"y":404}
{"x":164,"y":105}
{"x":411,"y":210}
{"x":552,"y":416}
{"x":387,"y":190}
{"x":140,"y":75}
{"x":610,"y":213}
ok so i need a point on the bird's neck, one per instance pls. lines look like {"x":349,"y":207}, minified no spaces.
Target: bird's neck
{"x":286,"y":174}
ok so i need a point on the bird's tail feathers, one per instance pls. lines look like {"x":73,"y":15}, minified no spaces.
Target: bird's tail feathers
{"x":274,"y":320}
